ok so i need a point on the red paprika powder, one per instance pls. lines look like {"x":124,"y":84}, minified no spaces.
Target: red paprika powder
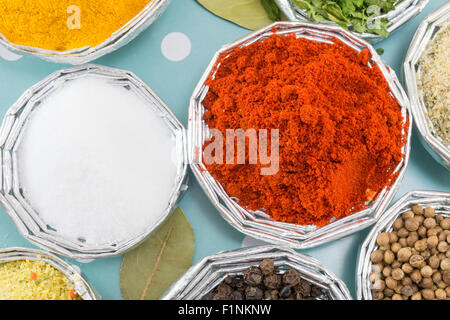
{"x":341,"y":132}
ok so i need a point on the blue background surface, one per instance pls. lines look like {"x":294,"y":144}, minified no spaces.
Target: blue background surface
{"x":174,"y":82}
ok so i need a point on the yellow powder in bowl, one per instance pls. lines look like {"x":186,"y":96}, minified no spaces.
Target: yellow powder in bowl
{"x":34,"y":280}
{"x":62,"y":25}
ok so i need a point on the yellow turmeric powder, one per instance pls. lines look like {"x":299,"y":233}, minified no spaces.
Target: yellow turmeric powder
{"x":62,"y":25}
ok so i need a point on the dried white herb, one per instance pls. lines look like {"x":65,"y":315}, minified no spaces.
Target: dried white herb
{"x":435,"y":83}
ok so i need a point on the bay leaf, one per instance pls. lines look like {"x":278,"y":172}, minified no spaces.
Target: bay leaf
{"x":148,"y":270}
{"x":249,"y":14}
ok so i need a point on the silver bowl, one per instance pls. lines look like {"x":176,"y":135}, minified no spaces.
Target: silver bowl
{"x":121,"y":37}
{"x":11,"y":198}
{"x":425,"y":35}
{"x":209,"y":272}
{"x":81,"y":286}
{"x":256,"y":223}
{"x":440,"y":201}
{"x":405,"y":10}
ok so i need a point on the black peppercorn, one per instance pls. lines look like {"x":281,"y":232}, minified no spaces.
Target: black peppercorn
{"x":220,"y":296}
{"x":304,"y":288}
{"x":291,"y":277}
{"x":271,"y":294}
{"x":316,"y":291}
{"x":253,"y":293}
{"x":236,"y":295}
{"x":209,"y":296}
{"x":267,"y":266}
{"x":272,"y":281}
{"x":268,"y":283}
{"x":253,"y":276}
{"x":286,"y":291}
{"x":238,"y":283}
{"x":224,"y":289}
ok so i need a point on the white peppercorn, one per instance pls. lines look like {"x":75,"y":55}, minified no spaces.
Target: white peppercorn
{"x":416,"y":260}
{"x":393,"y":238}
{"x":403,"y":233}
{"x":432,"y":242}
{"x":378,"y":285}
{"x":445,"y":224}
{"x":397,"y":274}
{"x":422,"y":231}
{"x":417,"y":209}
{"x":416,"y":296}
{"x":442,"y":246}
{"x":397,"y":297}
{"x":416,"y":276}
{"x":429,"y":212}
{"x":412,"y":238}
{"x":434,"y":261}
{"x":389,"y":257}
{"x":407,"y":214}
{"x":440,"y":294}
{"x":413,"y":260}
{"x":387,"y":271}
{"x":421,"y":245}
{"x":391,"y":283}
{"x":404,"y":254}
{"x":426,"y":283}
{"x":411,"y":224}
{"x":398,"y":224}
{"x":376,"y":256}
{"x":426,"y":271}
{"x":383,"y":239}
{"x":445,"y":264}
{"x":429,"y":223}
{"x":395,"y":247}
{"x":428,"y":294}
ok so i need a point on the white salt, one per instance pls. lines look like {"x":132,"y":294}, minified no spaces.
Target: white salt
{"x":96,"y":162}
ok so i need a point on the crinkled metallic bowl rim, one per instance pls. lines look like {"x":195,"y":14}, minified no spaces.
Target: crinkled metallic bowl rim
{"x":81,"y":286}
{"x":206,"y":274}
{"x":423,"y":37}
{"x":404,"y":11}
{"x":438,"y":200}
{"x":258,"y":224}
{"x":152,"y":11}
{"x":25,"y":218}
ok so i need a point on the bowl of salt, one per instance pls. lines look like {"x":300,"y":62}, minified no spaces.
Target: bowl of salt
{"x":92,"y":162}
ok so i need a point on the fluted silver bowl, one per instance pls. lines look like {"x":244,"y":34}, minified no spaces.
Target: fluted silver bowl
{"x":404,"y":11}
{"x":81,"y":286}
{"x":440,"y":201}
{"x":257,"y":223}
{"x":12,"y":199}
{"x":209,"y":272}
{"x":425,"y":35}
{"x":152,"y":11}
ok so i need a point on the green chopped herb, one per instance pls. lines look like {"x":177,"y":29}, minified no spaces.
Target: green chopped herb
{"x":358,"y":15}
{"x":272,"y":9}
{"x":380,"y":51}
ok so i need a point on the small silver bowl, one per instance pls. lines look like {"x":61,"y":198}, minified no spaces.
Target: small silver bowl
{"x":440,"y":201}
{"x":258,"y":224}
{"x":425,"y":35}
{"x":152,"y":11}
{"x":16,"y":206}
{"x":209,"y":272}
{"x":405,"y":10}
{"x":81,"y":286}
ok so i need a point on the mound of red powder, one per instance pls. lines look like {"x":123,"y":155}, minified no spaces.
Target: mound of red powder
{"x":341,"y":132}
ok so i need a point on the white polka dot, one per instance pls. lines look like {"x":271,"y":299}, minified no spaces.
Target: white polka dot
{"x":8,"y":55}
{"x":252,"y":242}
{"x":176,"y":46}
